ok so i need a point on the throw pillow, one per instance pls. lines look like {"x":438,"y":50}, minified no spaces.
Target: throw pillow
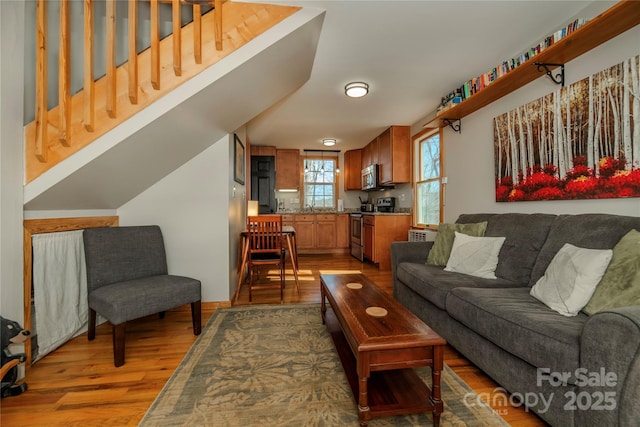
{"x":571,"y":278}
{"x":620,"y":285}
{"x":441,"y":249}
{"x":476,"y":256}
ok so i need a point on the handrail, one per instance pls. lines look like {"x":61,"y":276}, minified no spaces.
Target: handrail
{"x":56,"y":126}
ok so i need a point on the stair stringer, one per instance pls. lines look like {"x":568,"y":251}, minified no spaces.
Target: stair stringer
{"x":142,"y":150}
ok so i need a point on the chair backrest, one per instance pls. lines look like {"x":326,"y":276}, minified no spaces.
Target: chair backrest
{"x":265,"y":233}
{"x":116,"y":254}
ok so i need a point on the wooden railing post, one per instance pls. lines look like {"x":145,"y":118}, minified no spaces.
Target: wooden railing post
{"x":132,"y":67}
{"x":155,"y":46}
{"x":88,"y":108}
{"x":112,"y":81}
{"x":41,"y":120}
{"x":64,"y":76}
{"x":177,"y":37}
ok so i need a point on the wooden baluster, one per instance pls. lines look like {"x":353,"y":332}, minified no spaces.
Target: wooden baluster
{"x":111,"y":59}
{"x":217,"y":15}
{"x":197,"y":33}
{"x":132,"y":68}
{"x":155,"y":46}
{"x":41,"y":125}
{"x":64,"y":76}
{"x":177,"y":37}
{"x":89,"y":92}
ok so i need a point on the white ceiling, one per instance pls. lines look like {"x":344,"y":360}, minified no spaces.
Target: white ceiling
{"x":411,"y":53}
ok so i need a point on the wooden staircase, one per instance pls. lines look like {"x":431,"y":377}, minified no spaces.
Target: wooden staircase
{"x":125,"y":90}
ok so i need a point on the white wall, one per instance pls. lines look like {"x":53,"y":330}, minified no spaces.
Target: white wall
{"x":12,"y":15}
{"x":469,"y":162}
{"x":192,"y":207}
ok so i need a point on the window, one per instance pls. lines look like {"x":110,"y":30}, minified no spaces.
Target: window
{"x":429,"y":175}
{"x":320,"y":182}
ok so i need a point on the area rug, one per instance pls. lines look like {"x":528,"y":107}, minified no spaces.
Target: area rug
{"x":276,"y":365}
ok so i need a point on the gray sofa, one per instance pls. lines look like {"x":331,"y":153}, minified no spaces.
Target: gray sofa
{"x":519,"y":341}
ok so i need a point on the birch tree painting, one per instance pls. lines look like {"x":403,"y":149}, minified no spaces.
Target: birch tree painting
{"x":579,"y":142}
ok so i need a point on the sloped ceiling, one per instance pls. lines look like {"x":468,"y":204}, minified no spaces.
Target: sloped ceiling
{"x":155,"y":142}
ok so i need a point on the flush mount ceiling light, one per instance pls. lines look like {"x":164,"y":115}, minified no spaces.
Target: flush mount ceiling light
{"x":329,"y":142}
{"x":356,"y":89}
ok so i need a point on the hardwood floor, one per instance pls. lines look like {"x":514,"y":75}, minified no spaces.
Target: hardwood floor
{"x":77,"y":385}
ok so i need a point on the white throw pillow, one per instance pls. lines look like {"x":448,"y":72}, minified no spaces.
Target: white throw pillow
{"x":571,"y":278}
{"x":476,"y":256}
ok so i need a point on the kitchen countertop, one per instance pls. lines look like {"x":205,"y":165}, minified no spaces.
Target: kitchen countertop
{"x":334,"y":211}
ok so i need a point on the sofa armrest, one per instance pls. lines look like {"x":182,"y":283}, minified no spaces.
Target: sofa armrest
{"x":610,"y":343}
{"x":408,"y":252}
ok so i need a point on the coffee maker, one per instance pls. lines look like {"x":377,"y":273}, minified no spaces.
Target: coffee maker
{"x":386,"y":204}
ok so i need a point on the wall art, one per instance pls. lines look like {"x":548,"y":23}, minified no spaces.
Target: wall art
{"x":579,"y":142}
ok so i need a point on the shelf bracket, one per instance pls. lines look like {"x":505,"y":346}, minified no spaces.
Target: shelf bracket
{"x":558,"y":78}
{"x":452,"y":124}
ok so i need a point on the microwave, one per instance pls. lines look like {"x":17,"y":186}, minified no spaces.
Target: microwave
{"x":370,"y":177}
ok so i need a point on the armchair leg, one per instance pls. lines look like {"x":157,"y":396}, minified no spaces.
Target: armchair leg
{"x":118,"y":344}
{"x":196,"y":317}
{"x":91,"y":331}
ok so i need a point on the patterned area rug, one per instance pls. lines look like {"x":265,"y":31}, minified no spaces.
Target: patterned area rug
{"x":276,"y":365}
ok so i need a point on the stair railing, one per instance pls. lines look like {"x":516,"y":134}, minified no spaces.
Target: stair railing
{"x":64,"y":124}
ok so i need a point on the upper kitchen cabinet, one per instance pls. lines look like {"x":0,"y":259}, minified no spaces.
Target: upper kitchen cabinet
{"x":394,"y":155}
{"x":370,"y":154}
{"x":352,"y":169}
{"x":287,"y":169}
{"x":263,"y":150}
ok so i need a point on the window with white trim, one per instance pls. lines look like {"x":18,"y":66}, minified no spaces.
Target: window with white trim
{"x":320,"y":177}
{"x":429,"y":190}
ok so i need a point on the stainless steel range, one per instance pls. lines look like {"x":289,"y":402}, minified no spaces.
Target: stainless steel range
{"x":356,"y":236}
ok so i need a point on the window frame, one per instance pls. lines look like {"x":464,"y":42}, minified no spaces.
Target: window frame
{"x":336,"y":170}
{"x":417,"y":139}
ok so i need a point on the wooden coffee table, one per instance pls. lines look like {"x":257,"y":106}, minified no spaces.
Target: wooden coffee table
{"x":379,"y":342}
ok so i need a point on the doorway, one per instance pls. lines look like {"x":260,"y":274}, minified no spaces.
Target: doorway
{"x":263,"y":183}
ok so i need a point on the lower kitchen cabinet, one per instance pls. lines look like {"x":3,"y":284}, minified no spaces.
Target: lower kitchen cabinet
{"x":320,"y":233}
{"x":378,"y":233}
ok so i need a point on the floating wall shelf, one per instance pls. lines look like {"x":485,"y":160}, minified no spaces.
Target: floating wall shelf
{"x":609,"y":24}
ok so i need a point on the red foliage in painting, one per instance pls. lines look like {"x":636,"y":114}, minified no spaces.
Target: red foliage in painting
{"x":502,"y":193}
{"x":537,"y":181}
{"x":608,"y":166}
{"x":581,"y":188}
{"x":581,"y":182}
{"x":516,"y":195}
{"x":578,"y":171}
{"x":547,"y":193}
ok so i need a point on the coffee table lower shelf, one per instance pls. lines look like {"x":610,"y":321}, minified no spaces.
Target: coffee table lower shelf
{"x":390,"y":392}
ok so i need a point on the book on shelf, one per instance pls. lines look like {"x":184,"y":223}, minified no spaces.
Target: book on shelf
{"x":477,"y":83}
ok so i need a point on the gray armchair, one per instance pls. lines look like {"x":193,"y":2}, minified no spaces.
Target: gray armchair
{"x":127,"y":279}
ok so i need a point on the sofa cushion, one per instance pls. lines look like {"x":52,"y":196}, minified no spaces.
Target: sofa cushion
{"x":620,"y":285}
{"x":433,"y":283}
{"x":571,"y":278}
{"x":443,"y":243}
{"x":525,"y":235}
{"x":517,"y":322}
{"x":593,"y":231}
{"x":476,"y":256}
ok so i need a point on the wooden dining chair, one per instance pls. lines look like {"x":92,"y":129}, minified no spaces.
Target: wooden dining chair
{"x":266,"y":247}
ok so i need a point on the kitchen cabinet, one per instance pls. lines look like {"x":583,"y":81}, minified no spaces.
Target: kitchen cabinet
{"x":378,"y":233}
{"x":391,"y":150}
{"x":370,"y":153}
{"x":305,"y":231}
{"x":352,"y":169}
{"x":320,"y":233}
{"x":394,"y":155}
{"x":263,"y":150}
{"x":287,"y":169}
